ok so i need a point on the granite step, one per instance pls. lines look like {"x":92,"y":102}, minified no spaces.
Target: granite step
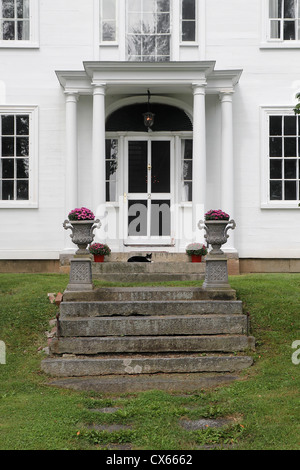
{"x":140,"y":365}
{"x":148,"y":308}
{"x":153,"y":326}
{"x":151,"y":344}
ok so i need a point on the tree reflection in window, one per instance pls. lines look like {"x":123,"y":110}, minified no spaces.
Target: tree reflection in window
{"x":148,"y":30}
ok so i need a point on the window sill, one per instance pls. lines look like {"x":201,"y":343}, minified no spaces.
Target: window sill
{"x":19,"y":45}
{"x":280,"y":45}
{"x":18,"y":205}
{"x":282,"y":205}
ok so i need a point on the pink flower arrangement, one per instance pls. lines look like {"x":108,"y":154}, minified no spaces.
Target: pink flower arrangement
{"x":99,"y":249}
{"x":81,"y":214}
{"x":216,"y":215}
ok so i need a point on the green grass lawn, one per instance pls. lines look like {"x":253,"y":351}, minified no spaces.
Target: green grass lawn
{"x":265,"y":405}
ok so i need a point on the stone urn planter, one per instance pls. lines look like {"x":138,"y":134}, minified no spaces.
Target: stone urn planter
{"x":82,"y":233}
{"x":216,"y":233}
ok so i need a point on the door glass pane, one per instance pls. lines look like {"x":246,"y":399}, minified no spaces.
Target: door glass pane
{"x":137,"y":218}
{"x":161,"y":165}
{"x":160,"y":218}
{"x":137,"y":167}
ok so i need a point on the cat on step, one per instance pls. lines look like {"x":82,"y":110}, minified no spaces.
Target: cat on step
{"x":140,"y":259}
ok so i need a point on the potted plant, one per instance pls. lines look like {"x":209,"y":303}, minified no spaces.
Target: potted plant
{"x":196,"y":251}
{"x":82,"y":223}
{"x":99,"y":250}
{"x":216,"y":225}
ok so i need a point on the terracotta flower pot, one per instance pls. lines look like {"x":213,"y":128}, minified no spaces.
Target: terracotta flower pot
{"x":196,"y":258}
{"x":98,"y":258}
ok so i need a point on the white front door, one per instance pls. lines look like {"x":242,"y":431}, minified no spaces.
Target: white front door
{"x":149,"y":196}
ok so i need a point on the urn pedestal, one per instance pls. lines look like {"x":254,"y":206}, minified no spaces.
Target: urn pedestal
{"x":216,"y":270}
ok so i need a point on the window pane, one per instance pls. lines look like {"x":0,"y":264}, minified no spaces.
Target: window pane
{"x":111,"y":191}
{"x":289,"y":30}
{"x":109,"y":31}
{"x":23,"y":30}
{"x":188,"y":31}
{"x":290,"y":125}
{"x":187,"y":170}
{"x":275,"y":147}
{"x":290,"y":147}
{"x":161,"y":164}
{"x":138,"y":161}
{"x":8,"y":147}
{"x":22,"y":190}
{"x":186,"y":192}
{"x":22,"y":125}
{"x":109,"y":9}
{"x":23,"y":168}
{"x":188,"y":9}
{"x":8,"y":168}
{"x":163,"y":23}
{"x":275,"y":169}
{"x":275,"y":190}
{"x":8,"y":8}
{"x":290,"y":169}
{"x":275,"y":8}
{"x":289,"y":9}
{"x":290,"y":190}
{"x":8,"y":125}
{"x":163,"y":5}
{"x":22,"y":147}
{"x":9,"y":30}
{"x":23,"y":8}
{"x":134,"y":23}
{"x":275,"y":27}
{"x":275,"y":125}
{"x":7,"y":190}
{"x":187,"y":149}
{"x":163,"y":45}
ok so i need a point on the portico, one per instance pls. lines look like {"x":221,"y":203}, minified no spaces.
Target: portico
{"x":111,"y":86}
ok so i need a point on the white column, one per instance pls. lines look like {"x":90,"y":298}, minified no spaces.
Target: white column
{"x":98,"y":160}
{"x":199,"y":157}
{"x":227,"y":165}
{"x":71,"y":182}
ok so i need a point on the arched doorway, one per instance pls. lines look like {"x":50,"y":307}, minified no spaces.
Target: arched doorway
{"x":148,"y":171}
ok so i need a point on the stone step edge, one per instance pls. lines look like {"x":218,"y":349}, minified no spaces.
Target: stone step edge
{"x":167,"y":325}
{"x":151,"y":344}
{"x":136,"y":365}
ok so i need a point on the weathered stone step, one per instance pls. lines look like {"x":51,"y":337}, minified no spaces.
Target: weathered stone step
{"x":150,"y":344}
{"x":154,"y":267}
{"x":128,"y":365}
{"x":153,"y":326}
{"x":148,"y":277}
{"x":149,"y":308}
{"x":149,"y":293}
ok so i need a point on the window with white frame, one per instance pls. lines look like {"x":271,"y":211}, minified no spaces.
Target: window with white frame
{"x":108,"y":21}
{"x":186,"y":170}
{"x":148,"y":30}
{"x":111,"y":162}
{"x":284,"y":20}
{"x":284,"y":157}
{"x":18,"y":23}
{"x":17,"y":157}
{"x":188,"y":20}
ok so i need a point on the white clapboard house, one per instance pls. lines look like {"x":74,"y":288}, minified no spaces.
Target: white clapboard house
{"x":219,"y":79}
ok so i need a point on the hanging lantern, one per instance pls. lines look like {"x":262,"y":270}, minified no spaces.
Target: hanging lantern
{"x":148,"y":116}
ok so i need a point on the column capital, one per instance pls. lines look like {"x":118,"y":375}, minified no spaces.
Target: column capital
{"x":99,"y":88}
{"x":199,"y":88}
{"x":226,"y":95}
{"x":71,"y":96}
